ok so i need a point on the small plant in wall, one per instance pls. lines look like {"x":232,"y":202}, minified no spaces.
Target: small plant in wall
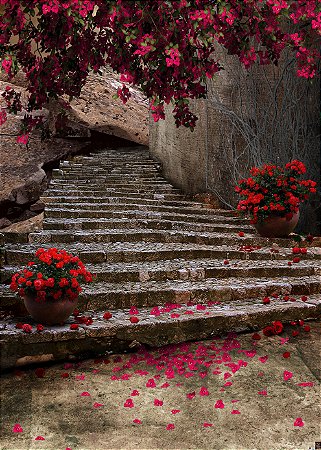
{"x":271,"y":197}
{"x":50,"y":284}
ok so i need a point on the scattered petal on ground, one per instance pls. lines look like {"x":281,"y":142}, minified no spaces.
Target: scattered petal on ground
{"x":219,"y":404}
{"x":17,"y":428}
{"x":298,"y":422}
{"x":287,"y":375}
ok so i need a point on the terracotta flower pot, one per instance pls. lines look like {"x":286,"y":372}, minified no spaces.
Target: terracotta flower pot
{"x":276,"y":226}
{"x":51,"y":312}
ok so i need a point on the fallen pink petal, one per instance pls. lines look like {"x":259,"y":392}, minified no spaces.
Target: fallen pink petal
{"x":219,"y":404}
{"x":298,"y":422}
{"x":39,"y":438}
{"x":287,"y":375}
{"x":85,"y":394}
{"x":98,"y":405}
{"x":17,"y":428}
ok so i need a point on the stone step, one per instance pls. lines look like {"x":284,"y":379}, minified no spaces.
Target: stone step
{"x":103,"y":295}
{"x":53,"y":199}
{"x":80,"y":209}
{"x":101,"y":178}
{"x":157,"y":235}
{"x":16,"y":254}
{"x":145,"y":223}
{"x":105,"y":193}
{"x":118,"y":334}
{"x":103,"y":187}
{"x":136,"y":235}
{"x":193,"y":270}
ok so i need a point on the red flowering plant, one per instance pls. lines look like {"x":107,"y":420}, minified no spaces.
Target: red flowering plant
{"x":53,"y":275}
{"x":274,"y":189}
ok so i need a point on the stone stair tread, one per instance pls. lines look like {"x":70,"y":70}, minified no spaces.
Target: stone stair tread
{"x":118,"y":333}
{"x":182,"y":285}
{"x":194,"y":211}
{"x":219,"y":221}
{"x":114,"y":199}
{"x":155,"y":247}
{"x":189,"y":267}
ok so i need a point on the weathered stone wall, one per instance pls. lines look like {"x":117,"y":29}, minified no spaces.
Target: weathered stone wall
{"x":249,"y":118}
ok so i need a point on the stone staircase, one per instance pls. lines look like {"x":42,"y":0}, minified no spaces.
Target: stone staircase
{"x":182,"y":264}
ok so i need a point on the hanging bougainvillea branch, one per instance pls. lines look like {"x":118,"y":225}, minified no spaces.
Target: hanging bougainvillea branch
{"x":167,"y":48}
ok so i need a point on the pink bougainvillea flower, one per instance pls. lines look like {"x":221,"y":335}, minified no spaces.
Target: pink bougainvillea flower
{"x":228,"y":383}
{"x":40,"y":327}
{"x":241,"y":233}
{"x":165,"y":385}
{"x":306,"y":384}
{"x":235,"y":411}
{"x":284,"y":340}
{"x":133,"y":311}
{"x":204,"y":392}
{"x":39,"y":438}
{"x":307,"y":328}
{"x":286,"y":355}
{"x":129,"y":403}
{"x":74,"y":326}
{"x":191,"y":395}
{"x":134,"y":319}
{"x":170,"y":426}
{"x":206,"y":424}
{"x":65,"y":375}
{"x":158,"y":402}
{"x":85,"y":394}
{"x":107,"y":315}
{"x":264,"y":392}
{"x":219,"y":404}
{"x":80,"y":377}
{"x":298,"y":422}
{"x":137,"y":421}
{"x":134,"y":393}
{"x":17,"y":428}
{"x":175,"y":411}
{"x":151,"y":383}
{"x":97,"y":405}
{"x":287,"y":375}
{"x":263,"y":359}
{"x":227,"y":375}
{"x":27,"y":328}
{"x":23,"y":139}
{"x":202,"y":374}
{"x":304,"y":298}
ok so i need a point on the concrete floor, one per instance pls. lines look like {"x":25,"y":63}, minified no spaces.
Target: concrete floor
{"x":52,"y":407}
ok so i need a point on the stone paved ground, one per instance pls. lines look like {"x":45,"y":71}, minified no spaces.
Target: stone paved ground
{"x":81,"y":405}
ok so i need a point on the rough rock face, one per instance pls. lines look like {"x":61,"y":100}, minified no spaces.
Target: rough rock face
{"x":98,"y":111}
{"x":23,"y":174}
